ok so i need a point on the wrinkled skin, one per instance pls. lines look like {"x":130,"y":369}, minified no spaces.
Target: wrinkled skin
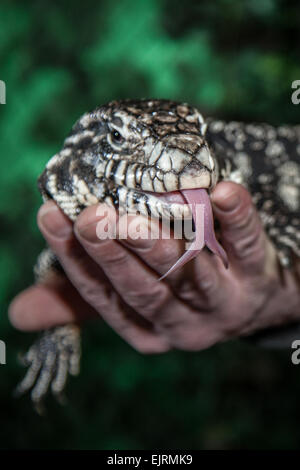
{"x":192,"y":309}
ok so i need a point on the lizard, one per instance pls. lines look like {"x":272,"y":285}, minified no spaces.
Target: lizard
{"x":157,"y":155}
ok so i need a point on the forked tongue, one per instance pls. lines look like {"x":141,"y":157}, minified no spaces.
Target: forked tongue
{"x":195,"y":197}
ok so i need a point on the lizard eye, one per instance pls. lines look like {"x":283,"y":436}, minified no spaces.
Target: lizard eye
{"x":116,"y":137}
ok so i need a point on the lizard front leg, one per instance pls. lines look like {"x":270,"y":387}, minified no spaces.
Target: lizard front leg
{"x":55,"y":354}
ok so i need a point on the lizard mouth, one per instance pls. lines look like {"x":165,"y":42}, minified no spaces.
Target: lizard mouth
{"x":186,"y":202}
{"x":181,"y":203}
{"x":196,"y":197}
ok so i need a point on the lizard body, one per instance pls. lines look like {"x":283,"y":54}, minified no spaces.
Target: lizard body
{"x":132,"y":154}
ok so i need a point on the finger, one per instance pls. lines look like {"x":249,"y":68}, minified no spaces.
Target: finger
{"x":241,"y":229}
{"x":136,"y":283}
{"x":92,"y":284}
{"x":196,"y":283}
{"x":157,"y":248}
{"x":44,"y":306}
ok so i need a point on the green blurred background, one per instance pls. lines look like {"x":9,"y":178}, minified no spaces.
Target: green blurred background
{"x":233,"y":59}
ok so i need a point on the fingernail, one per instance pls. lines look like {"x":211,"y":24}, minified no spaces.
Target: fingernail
{"x":136,"y":232}
{"x":54,"y":221}
{"x":96,"y":223}
{"x":88,"y":232}
{"x":228,"y":203}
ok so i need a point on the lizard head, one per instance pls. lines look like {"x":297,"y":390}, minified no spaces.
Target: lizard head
{"x":159,"y":145}
{"x":145,"y":155}
{"x":142,"y":148}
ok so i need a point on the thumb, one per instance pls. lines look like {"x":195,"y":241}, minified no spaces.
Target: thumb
{"x":242,"y":234}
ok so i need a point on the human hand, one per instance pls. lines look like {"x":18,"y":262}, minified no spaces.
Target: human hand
{"x":191,"y":309}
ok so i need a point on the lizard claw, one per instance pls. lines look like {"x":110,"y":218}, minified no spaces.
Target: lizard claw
{"x":51,"y":358}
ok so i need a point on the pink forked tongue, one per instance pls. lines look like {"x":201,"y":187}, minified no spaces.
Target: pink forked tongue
{"x":194,"y":197}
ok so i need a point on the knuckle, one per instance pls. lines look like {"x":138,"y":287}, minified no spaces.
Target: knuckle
{"x":93,"y":295}
{"x":250,"y":246}
{"x":208,"y":285}
{"x":246,"y":310}
{"x":242,"y":218}
{"x":110,"y":254}
{"x":149,"y":304}
{"x":169,"y":252}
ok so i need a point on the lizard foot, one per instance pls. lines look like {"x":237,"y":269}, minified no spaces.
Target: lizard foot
{"x":55,"y":354}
